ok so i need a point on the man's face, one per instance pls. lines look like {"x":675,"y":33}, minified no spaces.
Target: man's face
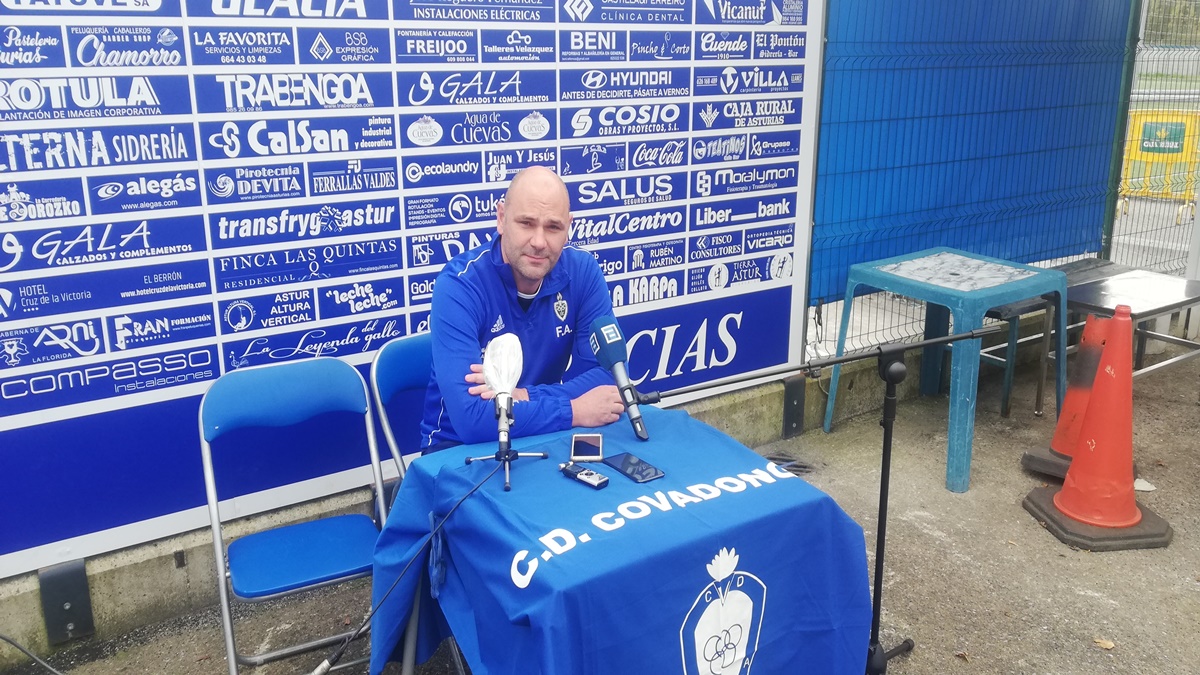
{"x":534,"y":221}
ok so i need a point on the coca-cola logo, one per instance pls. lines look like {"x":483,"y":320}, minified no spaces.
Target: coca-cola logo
{"x":670,"y":153}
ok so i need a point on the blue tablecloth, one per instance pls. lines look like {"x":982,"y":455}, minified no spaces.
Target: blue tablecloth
{"x":728,"y":564}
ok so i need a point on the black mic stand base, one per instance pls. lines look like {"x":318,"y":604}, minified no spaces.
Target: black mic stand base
{"x":877,"y":658}
{"x":506,"y":455}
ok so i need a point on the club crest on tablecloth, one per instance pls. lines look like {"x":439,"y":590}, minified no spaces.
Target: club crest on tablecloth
{"x":720,"y":633}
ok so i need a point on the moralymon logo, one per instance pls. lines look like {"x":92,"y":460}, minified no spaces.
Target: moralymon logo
{"x":720,"y":633}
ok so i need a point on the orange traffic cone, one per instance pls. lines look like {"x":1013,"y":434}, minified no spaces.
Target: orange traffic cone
{"x":1098,"y":488}
{"x":1096,"y":509}
{"x":1055,"y":460}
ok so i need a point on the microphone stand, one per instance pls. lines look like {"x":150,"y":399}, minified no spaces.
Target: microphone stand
{"x":504,"y":453}
{"x":892,"y":371}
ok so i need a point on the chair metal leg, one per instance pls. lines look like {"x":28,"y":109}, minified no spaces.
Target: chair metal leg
{"x":1044,"y":360}
{"x":1010,"y":365}
{"x":456,"y":654}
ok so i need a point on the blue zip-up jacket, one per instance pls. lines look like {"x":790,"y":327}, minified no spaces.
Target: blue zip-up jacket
{"x":475,"y":300}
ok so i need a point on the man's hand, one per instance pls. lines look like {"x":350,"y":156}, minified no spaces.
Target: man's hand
{"x":482,"y":390}
{"x":597,"y":407}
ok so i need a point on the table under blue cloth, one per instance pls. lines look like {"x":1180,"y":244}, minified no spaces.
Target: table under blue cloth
{"x":727,"y":564}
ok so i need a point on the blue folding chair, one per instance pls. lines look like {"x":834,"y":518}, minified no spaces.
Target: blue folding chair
{"x":262,"y":419}
{"x":400,"y":377}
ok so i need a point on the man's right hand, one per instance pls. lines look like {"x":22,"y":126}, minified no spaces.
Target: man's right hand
{"x":597,"y":407}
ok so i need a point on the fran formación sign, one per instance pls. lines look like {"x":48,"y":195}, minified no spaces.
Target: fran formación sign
{"x":188,"y":187}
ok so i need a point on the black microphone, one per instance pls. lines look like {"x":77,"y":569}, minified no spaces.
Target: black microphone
{"x":608,"y":345}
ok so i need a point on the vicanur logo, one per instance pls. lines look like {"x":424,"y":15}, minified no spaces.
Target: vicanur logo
{"x":720,"y":633}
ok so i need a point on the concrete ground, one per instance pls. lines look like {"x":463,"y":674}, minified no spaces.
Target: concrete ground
{"x":972,"y":578}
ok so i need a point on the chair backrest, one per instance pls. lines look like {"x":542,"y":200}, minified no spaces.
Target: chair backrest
{"x":283,"y":395}
{"x":401,"y":368}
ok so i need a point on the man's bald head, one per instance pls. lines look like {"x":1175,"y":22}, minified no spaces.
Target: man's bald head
{"x":534,"y":221}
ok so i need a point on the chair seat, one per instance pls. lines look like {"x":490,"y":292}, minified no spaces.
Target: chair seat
{"x":305,"y":554}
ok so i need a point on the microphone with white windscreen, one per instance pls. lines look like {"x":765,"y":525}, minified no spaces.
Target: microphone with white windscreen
{"x":502,"y":366}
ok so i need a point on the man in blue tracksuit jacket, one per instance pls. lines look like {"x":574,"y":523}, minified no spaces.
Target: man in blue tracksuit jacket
{"x":525,"y":281}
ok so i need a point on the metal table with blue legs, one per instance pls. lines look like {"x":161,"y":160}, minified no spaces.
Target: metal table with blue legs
{"x":964,"y":286}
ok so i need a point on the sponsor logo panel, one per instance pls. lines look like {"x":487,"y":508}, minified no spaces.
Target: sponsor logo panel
{"x":474,"y":10}
{"x":96,"y":243}
{"x":610,"y":260}
{"x":105,"y":288}
{"x":752,"y":12}
{"x":651,"y":154}
{"x":273,"y":310}
{"x":327,"y":46}
{"x":606,"y":83}
{"x":439,"y":247}
{"x":80,"y":148}
{"x":625,"y":11}
{"x":162,"y":326}
{"x":475,"y":87}
{"x":96,"y":381}
{"x":592,"y":45}
{"x":771,"y":45}
{"x":660,"y":45}
{"x":743,"y":211}
{"x":420,"y":287}
{"x":436,"y":46}
{"x":741,"y":80}
{"x":507,"y":46}
{"x":652,"y":256}
{"x":359,"y":297}
{"x":473,"y":128}
{"x":715,"y":149}
{"x":770,"y":238}
{"x":593,"y":158}
{"x":628,"y":191}
{"x":41,"y":200}
{"x":608,"y":227}
{"x":461,"y":168}
{"x":338,"y":340}
{"x":249,"y":183}
{"x":774,"y":112}
{"x":621,"y":120}
{"x":279,"y":137}
{"x":303,"y":222}
{"x":50,"y":342}
{"x":144,"y":191}
{"x":717,"y":245}
{"x":502,"y":165}
{"x":44,"y":98}
{"x":645,"y":288}
{"x":721,"y":45}
{"x":31,"y":47}
{"x":256,"y":92}
{"x":368,"y":174}
{"x":286,"y":308}
{"x":452,"y":208}
{"x":94,"y":7}
{"x":774,"y":144}
{"x":287,"y":9}
{"x":126,"y":46}
{"x":730,"y":180}
{"x":419,"y":322}
{"x":222,"y":46}
{"x":328,"y":261}
{"x":740,"y":273}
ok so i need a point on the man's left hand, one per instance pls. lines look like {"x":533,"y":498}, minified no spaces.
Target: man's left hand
{"x":481,"y":389}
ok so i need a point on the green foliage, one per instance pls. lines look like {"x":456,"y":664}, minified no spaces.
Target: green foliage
{"x":1172,"y":23}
